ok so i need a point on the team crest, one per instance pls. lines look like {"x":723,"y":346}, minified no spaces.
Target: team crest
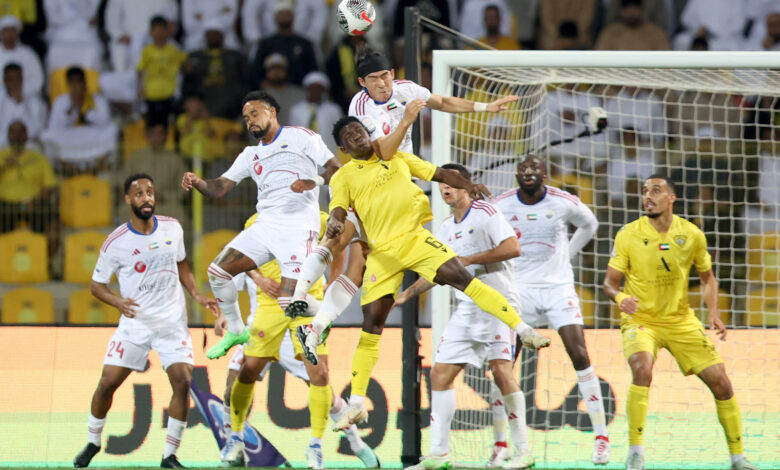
{"x":680,"y":239}
{"x":285,"y":145}
{"x":370,"y":127}
{"x":549,"y":214}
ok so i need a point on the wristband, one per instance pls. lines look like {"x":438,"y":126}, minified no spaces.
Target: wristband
{"x":480,"y":106}
{"x":318,"y":180}
{"x":620,"y":297}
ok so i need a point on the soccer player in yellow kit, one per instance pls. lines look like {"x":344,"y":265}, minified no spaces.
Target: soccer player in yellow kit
{"x":392,"y":209}
{"x":655,"y":254}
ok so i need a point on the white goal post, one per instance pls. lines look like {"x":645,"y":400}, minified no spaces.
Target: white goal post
{"x":687,"y":112}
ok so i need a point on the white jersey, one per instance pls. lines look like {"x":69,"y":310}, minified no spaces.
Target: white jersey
{"x":383,"y":118}
{"x":543,"y":232}
{"x":482,"y":228}
{"x":147,"y":271}
{"x":295,"y":153}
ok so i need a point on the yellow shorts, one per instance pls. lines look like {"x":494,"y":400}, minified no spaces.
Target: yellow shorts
{"x":418,"y":251}
{"x":267,"y":332}
{"x":686,"y":340}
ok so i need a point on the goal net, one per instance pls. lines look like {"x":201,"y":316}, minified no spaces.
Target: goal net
{"x":710,"y":121}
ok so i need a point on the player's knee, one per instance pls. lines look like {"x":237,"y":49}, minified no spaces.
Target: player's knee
{"x":501,"y":378}
{"x":318,"y":375}
{"x":439,"y":379}
{"x":721,"y":387}
{"x":642,"y":374}
{"x":579,"y":357}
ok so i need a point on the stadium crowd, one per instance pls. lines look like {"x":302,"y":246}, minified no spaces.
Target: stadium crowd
{"x":95,"y":90}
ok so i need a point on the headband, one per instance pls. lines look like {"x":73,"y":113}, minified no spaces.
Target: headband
{"x":373,"y":63}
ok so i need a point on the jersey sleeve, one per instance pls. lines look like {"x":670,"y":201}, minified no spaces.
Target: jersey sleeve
{"x":701,"y":257}
{"x":107,"y":264}
{"x":339,"y":191}
{"x":420,"y":92}
{"x":417,"y":166}
{"x":317,"y":150}
{"x":619,"y":259}
{"x":181,"y":251}
{"x":498,"y":229}
{"x":239,"y":170}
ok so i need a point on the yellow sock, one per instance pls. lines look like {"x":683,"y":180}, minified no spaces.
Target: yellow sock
{"x":240,"y":399}
{"x":636,"y":409}
{"x":491,"y":301}
{"x":731,"y":420}
{"x":363,"y":362}
{"x":320,"y":398}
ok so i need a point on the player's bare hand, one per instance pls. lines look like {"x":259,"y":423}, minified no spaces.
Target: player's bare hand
{"x":402,"y":298}
{"x":464,"y":260}
{"x":299,"y":186}
{"x":335,"y":228}
{"x":717,"y":325}
{"x":189,"y":180}
{"x":480,"y":191}
{"x":220,"y":326}
{"x":209,"y":303}
{"x":630,"y":305}
{"x":501,"y":103}
{"x":126,"y":307}
{"x":412,"y":110}
{"x":270,"y":287}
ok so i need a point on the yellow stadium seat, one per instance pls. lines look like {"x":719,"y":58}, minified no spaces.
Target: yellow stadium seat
{"x":696,"y":302}
{"x":587,"y":305}
{"x":764,"y":257}
{"x":134,"y":138}
{"x":58,"y":83}
{"x":213,"y":243}
{"x":81,"y":254}
{"x":84,"y":308}
{"x":28,"y":305}
{"x":85,"y":201}
{"x":763,"y":308}
{"x":25,"y":257}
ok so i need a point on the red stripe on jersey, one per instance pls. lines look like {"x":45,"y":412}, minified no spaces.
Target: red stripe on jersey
{"x":557,"y":192}
{"x":402,"y":81}
{"x":304,"y":129}
{"x":166,"y":218}
{"x":361,"y":106}
{"x":485,"y":207}
{"x":505,"y":195}
{"x":116,"y":234}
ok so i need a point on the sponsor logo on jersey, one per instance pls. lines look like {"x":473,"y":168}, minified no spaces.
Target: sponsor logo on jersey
{"x":530,"y":217}
{"x":136,"y":252}
{"x":386,"y":128}
{"x":153,"y":246}
{"x":256,"y":158}
{"x":140,"y":267}
{"x":373,"y":278}
{"x":258,"y":168}
{"x":514,"y":218}
{"x":663,"y":247}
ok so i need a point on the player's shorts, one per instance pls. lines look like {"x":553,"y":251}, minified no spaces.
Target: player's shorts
{"x":419,"y":251}
{"x":685,"y":340}
{"x":288,"y":246}
{"x":286,"y":359}
{"x":267,"y":333}
{"x":360,"y":232}
{"x":555,"y":306}
{"x":132,"y":351}
{"x":455,"y":347}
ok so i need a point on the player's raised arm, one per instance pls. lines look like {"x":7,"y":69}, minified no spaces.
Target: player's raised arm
{"x":456,"y":180}
{"x":386,"y":147}
{"x":420,"y":285}
{"x":213,"y":188}
{"x":452,"y":104}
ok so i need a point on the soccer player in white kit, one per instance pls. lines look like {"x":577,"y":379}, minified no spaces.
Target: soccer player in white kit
{"x":387,"y":108}
{"x":284,"y":167}
{"x":485,"y":243}
{"x":540,"y":216}
{"x":147,"y":255}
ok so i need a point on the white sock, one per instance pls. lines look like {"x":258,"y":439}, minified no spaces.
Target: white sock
{"x":356,"y":400}
{"x":173,"y":439}
{"x":337,"y":410}
{"x":499,"y":414}
{"x":227,"y":297}
{"x":637,"y":449}
{"x":314,"y":305}
{"x":312,"y":269}
{"x":590,"y":389}
{"x":337,"y":299}
{"x":315,"y":440}
{"x":736,"y":458}
{"x":284,"y":302}
{"x":522,"y":329}
{"x":95,"y":429}
{"x":515,"y":408}
{"x":442,"y":412}
{"x":226,"y":419}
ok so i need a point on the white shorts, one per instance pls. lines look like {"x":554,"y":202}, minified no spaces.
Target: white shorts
{"x":360,"y":232}
{"x":130,"y":352}
{"x":555,"y":306}
{"x":289,"y":247}
{"x":286,"y":360}
{"x":457,"y":349}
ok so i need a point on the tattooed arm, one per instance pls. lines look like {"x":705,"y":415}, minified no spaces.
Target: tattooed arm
{"x":213,"y":188}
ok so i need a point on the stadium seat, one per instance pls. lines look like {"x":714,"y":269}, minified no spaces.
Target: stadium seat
{"x":587,"y":305}
{"x":58,"y":83}
{"x":763,"y":308}
{"x":81,"y":254}
{"x":696,"y":302}
{"x":213,"y":243}
{"x":85,"y":201}
{"x":579,"y":185}
{"x":27,"y":305}
{"x":26,"y":257}
{"x":134,"y":138}
{"x":764,"y":257}
{"x":84,"y":308}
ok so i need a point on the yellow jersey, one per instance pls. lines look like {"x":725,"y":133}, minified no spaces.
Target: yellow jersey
{"x":24,"y":180}
{"x":383,"y":195}
{"x":161,"y":67}
{"x":657,"y":266}
{"x":271,"y":270}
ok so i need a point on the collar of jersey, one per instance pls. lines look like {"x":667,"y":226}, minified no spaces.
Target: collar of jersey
{"x":464,"y":215}
{"x":372,"y":159}
{"x":650,"y":226}
{"x":130,"y":226}
{"x":517,"y":194}
{"x":380,"y":103}
{"x":275,"y":137}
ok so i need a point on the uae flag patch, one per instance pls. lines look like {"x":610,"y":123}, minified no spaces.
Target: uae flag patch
{"x":530,"y":217}
{"x":663,"y":246}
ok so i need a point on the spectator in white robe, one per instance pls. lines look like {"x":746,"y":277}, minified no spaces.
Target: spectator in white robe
{"x":196,"y":14}
{"x":72,"y":34}
{"x":317,"y":112}
{"x":16,"y":106}
{"x":127,"y":24}
{"x":13,"y":51}
{"x":721,"y":22}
